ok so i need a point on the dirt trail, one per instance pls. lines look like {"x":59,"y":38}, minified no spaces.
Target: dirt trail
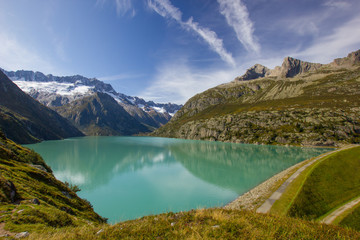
{"x":331,"y":217}
{"x":266,"y":206}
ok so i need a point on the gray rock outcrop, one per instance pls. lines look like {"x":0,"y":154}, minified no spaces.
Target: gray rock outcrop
{"x":257,"y":71}
{"x":351,"y":59}
{"x":292,"y":67}
{"x":289,"y":68}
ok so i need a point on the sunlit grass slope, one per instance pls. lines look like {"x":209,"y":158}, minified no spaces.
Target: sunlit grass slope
{"x":30,"y":196}
{"x":332,"y":183}
{"x":207,"y":224}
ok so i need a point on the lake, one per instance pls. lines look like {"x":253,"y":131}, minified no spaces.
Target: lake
{"x":129,"y":177}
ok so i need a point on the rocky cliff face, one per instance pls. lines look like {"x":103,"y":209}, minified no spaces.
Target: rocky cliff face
{"x":318,"y":107}
{"x":352,"y":59}
{"x":292,"y":67}
{"x":289,"y":68}
{"x":257,"y":71}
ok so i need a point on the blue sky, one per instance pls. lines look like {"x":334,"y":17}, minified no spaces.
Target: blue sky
{"x":169,"y":50}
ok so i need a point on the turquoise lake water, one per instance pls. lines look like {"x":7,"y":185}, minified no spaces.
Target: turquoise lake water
{"x":129,"y":177}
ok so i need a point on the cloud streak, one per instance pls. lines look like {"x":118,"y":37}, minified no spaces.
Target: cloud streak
{"x":122,"y":6}
{"x":237,"y":16}
{"x":165,"y":9}
{"x":177,"y":82}
{"x":337,"y":4}
{"x":343,"y":40}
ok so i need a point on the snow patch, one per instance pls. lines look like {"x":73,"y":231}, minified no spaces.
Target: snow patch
{"x":131,"y":99}
{"x":159,"y":110}
{"x":115,"y":97}
{"x":64,"y":89}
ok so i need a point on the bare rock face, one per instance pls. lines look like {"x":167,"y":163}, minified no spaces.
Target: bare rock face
{"x":257,"y":71}
{"x":352,"y":59}
{"x":289,"y":68}
{"x":292,"y":67}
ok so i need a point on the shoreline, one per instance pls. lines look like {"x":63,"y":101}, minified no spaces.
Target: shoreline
{"x":256,"y":196}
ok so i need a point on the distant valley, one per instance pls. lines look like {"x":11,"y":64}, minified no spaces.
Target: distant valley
{"x":298,"y":103}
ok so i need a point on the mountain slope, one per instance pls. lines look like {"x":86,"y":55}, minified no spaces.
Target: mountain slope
{"x":319,"y":105}
{"x":25,"y":120}
{"x":100,"y":114}
{"x":31,"y":198}
{"x":55,"y":91}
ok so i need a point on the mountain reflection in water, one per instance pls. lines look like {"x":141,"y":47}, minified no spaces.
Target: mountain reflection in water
{"x":145,"y":175}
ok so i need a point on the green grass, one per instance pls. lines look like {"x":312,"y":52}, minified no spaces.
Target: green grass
{"x":331,"y":183}
{"x":282,"y":206}
{"x":58,"y":206}
{"x":351,"y":219}
{"x":206,"y":224}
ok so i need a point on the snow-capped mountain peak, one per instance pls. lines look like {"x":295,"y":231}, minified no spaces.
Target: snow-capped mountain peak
{"x":55,"y":91}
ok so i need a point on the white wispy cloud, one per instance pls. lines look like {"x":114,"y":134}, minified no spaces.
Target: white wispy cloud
{"x":122,"y":6}
{"x":165,"y":9}
{"x":237,"y":16}
{"x":177,"y":81}
{"x":314,"y":25}
{"x":343,"y":39}
{"x":15,"y":56}
{"x":306,"y":25}
{"x":337,"y":4}
{"x":212,"y":39}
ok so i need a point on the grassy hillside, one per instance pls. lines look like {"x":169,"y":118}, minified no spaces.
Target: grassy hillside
{"x":323,"y":187}
{"x":352,"y":219}
{"x":321,"y":107}
{"x":332,"y":183}
{"x":207,"y":224}
{"x":30,"y":196}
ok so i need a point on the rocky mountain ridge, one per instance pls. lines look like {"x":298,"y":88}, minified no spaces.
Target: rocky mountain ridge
{"x":292,"y":67}
{"x":291,"y":107}
{"x":54,"y":91}
{"x":25,"y":120}
{"x":289,"y":68}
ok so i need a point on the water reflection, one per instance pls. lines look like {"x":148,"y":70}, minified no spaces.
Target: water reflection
{"x":93,"y":161}
{"x":238,"y":167}
{"x":128,"y":177}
